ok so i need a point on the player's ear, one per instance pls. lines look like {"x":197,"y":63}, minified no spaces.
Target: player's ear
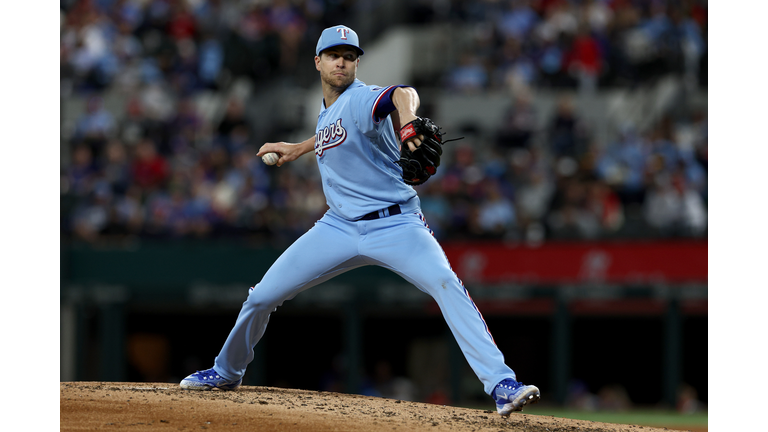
{"x":317,"y":62}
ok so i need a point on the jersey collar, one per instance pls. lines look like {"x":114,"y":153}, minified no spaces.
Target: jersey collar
{"x":356,"y":83}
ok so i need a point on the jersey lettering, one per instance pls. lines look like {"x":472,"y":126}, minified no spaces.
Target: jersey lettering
{"x":331,"y":136}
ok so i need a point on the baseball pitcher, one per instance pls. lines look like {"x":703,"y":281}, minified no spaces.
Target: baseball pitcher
{"x":368,"y":174}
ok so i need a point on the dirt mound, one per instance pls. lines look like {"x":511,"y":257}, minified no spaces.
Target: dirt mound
{"x":87,"y":406}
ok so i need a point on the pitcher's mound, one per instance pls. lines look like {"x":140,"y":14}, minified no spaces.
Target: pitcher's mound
{"x":88,"y":406}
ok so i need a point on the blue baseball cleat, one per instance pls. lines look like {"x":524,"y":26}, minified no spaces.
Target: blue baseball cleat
{"x":208,"y":380}
{"x":511,"y":396}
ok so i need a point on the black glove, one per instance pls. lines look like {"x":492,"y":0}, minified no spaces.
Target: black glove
{"x":421,"y":164}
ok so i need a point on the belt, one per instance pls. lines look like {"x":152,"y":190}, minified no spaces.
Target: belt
{"x":389,"y":211}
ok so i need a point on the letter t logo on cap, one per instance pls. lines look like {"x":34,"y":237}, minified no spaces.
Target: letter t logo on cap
{"x":343,"y":32}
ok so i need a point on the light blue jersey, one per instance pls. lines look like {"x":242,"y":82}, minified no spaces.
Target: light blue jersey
{"x":356,"y":153}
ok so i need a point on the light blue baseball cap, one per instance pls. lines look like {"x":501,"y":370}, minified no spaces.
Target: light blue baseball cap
{"x":338,"y":35}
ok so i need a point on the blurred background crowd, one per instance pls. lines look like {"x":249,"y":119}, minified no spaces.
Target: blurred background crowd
{"x":158,"y":165}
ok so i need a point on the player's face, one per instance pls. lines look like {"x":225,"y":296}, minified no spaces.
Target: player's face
{"x":337,"y":66}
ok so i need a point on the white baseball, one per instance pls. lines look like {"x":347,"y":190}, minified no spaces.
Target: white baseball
{"x":270,"y":158}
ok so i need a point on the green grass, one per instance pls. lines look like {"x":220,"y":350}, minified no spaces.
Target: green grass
{"x":642,"y":417}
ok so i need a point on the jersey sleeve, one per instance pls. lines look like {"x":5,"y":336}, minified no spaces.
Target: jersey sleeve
{"x":373,"y":104}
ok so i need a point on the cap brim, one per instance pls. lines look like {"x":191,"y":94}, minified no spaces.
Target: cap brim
{"x":359,"y":50}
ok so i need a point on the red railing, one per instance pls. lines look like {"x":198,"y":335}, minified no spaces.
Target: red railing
{"x":557,"y":263}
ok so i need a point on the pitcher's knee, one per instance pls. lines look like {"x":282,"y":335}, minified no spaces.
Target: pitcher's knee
{"x":260,"y":300}
{"x":442,"y":286}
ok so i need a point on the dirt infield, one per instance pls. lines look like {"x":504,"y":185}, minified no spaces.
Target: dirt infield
{"x":89,"y":406}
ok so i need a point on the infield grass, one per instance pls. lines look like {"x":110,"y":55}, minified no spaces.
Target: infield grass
{"x":642,"y":417}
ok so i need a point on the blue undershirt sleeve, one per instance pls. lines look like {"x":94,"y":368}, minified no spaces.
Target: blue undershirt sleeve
{"x":384,"y":104}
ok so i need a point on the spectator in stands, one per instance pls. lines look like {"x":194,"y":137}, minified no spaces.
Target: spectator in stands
{"x":182,"y":24}
{"x":116,"y":168}
{"x":132,"y":126}
{"x":82,"y":172}
{"x":517,"y":19}
{"x":687,"y":401}
{"x":622,"y":166}
{"x":613,"y":397}
{"x":579,"y":397}
{"x":559,"y":21}
{"x":128,"y":211}
{"x":515,"y":71}
{"x":518,"y":125}
{"x":458,"y":179}
{"x":88,"y":38}
{"x":150,"y":169}
{"x":126,"y":45}
{"x":95,"y":126}
{"x":391,"y":386}
{"x":598,"y":14}
{"x":571,"y":222}
{"x":234,"y":117}
{"x":605,"y":205}
{"x":569,"y":216}
{"x":551,"y":64}
{"x":673,"y":208}
{"x":158,"y":108}
{"x":533,"y":197}
{"x":469,"y":76}
{"x":563,"y":130}
{"x":496,"y":214}
{"x":198,"y":209}
{"x":127,"y":13}
{"x":585,"y":59}
{"x":183,"y":76}
{"x":436,"y":207}
{"x":91,"y":216}
{"x":210,"y":62}
{"x":157,"y":224}
{"x":290,"y":25}
{"x":185,"y":126}
{"x":223,"y":201}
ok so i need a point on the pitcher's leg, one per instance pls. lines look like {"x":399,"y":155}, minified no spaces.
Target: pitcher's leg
{"x":410,"y":250}
{"x":322,"y":253}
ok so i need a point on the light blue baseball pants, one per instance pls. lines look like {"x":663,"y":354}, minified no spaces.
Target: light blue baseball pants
{"x":402,"y":243}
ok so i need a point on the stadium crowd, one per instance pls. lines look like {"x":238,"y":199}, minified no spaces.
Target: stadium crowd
{"x":517,"y":44}
{"x":163,"y":171}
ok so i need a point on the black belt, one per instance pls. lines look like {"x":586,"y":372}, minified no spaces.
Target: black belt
{"x":389,"y":211}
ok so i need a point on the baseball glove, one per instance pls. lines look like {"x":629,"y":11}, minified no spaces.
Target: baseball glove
{"x":419,"y":165}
